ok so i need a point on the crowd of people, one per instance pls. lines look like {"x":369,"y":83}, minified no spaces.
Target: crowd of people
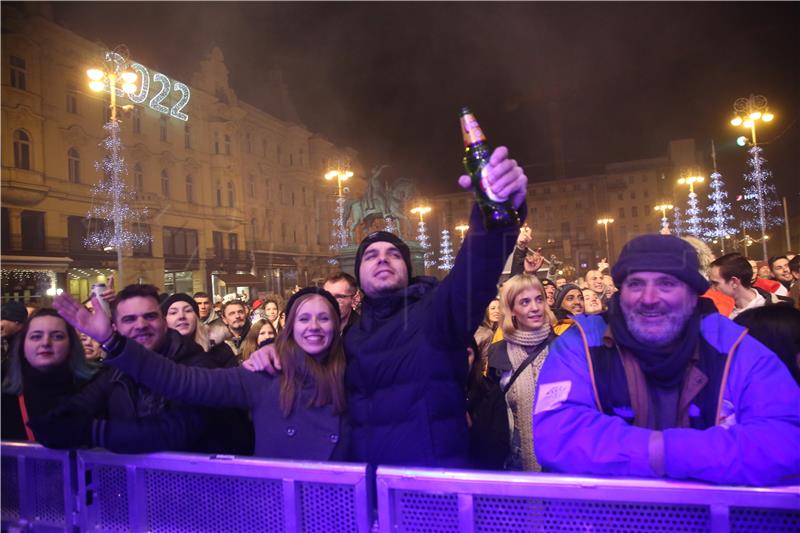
{"x":669,"y":363}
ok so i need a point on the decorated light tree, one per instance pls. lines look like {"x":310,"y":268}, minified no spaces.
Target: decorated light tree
{"x":693,"y":220}
{"x":422,"y":236}
{"x":390,"y":225}
{"x":760,"y":198}
{"x":719,"y":210}
{"x":340,"y":238}
{"x":677,"y":221}
{"x":114,"y":199}
{"x":445,"y":252}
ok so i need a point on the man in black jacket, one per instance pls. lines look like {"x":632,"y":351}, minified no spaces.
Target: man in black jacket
{"x":115,"y":413}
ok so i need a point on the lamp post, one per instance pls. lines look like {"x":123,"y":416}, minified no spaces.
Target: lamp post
{"x":339,"y":231}
{"x":462,"y":228}
{"x":605,"y":222}
{"x":693,"y":212}
{"x":663,"y":208}
{"x":422,"y":234}
{"x":114,"y":70}
{"x":748,"y":111}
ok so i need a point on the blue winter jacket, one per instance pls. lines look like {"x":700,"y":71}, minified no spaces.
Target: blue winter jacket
{"x":407,"y":360}
{"x":755,"y":442}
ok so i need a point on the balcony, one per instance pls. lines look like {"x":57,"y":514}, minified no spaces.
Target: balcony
{"x":51,"y":246}
{"x":228,"y":260}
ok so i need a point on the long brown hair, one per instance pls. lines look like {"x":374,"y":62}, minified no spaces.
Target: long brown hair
{"x":327,"y":375}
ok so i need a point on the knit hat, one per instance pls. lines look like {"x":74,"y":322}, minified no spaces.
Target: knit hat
{"x":562,"y":293}
{"x":313,"y":290}
{"x":14,"y":311}
{"x":382,"y":236}
{"x":546,"y":282}
{"x":179,"y":297}
{"x":660,"y":253}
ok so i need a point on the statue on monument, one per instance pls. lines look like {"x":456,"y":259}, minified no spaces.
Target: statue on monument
{"x":381,"y":202}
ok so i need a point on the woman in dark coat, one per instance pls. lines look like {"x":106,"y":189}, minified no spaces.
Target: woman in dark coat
{"x":46,"y":366}
{"x":299,"y":414}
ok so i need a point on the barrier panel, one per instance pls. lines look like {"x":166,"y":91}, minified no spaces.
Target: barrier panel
{"x":38,"y":488}
{"x":432,"y":500}
{"x":174,"y":492}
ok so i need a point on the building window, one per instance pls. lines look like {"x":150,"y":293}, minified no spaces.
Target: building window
{"x":620,"y":197}
{"x":621,"y":212}
{"x":633,"y":195}
{"x":219,"y":195}
{"x":179,"y":242}
{"x":646,"y":194}
{"x":74,"y":165}
{"x":216,"y":142}
{"x":165,"y":183}
{"x":72,"y":100}
{"x":230,"y":194}
{"x":162,"y":125}
{"x":138,"y":178}
{"x":634,"y":211}
{"x":301,"y":157}
{"x":251,"y":186}
{"x":233,"y":241}
{"x":189,"y":189}
{"x":19,"y":73}
{"x":218,"y":238}
{"x":33,"y":230}
{"x":292,"y":198}
{"x":291,"y":159}
{"x":227,"y":144}
{"x":248,"y":142}
{"x":646,"y":209}
{"x":278,"y":153}
{"x":264,"y":147}
{"x":22,"y":150}
{"x":137,"y":120}
{"x":187,"y":136}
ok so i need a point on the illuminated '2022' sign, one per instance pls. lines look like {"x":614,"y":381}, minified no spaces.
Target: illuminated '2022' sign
{"x":155,"y":102}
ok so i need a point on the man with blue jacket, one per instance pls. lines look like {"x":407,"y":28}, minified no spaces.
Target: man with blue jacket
{"x":663,"y":385}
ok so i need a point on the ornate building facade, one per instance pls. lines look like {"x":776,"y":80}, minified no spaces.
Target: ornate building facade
{"x":234,"y":196}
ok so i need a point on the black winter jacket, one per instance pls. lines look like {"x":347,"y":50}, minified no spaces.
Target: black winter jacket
{"x":407,"y":360}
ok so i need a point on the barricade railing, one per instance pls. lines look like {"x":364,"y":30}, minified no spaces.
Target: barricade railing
{"x":90,"y":490}
{"x":38,"y":488}
{"x":424,"y":500}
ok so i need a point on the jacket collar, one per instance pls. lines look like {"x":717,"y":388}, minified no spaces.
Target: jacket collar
{"x":388,"y":304}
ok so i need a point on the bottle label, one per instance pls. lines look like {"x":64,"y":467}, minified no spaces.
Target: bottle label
{"x":471,"y":130}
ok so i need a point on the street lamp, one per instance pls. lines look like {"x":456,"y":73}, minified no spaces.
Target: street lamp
{"x":663,"y":208}
{"x":693,"y":212}
{"x":748,"y":111}
{"x":339,"y":232}
{"x":115,"y":70}
{"x":422,"y":234}
{"x":340,"y":177}
{"x":462,"y":228}
{"x":605,"y":222}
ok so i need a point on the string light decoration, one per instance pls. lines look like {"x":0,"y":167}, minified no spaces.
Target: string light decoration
{"x":446,"y":252}
{"x":339,"y":235}
{"x":719,"y":210}
{"x":390,"y":225}
{"x":760,"y":197}
{"x":693,"y":212}
{"x":114,"y":201}
{"x":677,"y":221}
{"x":422,"y":236}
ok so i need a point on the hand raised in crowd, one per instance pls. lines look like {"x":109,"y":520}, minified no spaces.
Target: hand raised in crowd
{"x":525,"y":237}
{"x":603,"y":265}
{"x":534,"y":261}
{"x":264,"y":360}
{"x":505,"y":177}
{"x":95,"y":324}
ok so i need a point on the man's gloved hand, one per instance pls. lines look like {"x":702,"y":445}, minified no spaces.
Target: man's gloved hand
{"x":63,"y":430}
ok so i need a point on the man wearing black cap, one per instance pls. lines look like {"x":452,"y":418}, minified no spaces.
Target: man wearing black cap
{"x":12,"y":316}
{"x":663,"y":385}
{"x":115,"y":413}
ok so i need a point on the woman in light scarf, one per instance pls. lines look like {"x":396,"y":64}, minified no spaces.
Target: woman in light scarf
{"x":527,"y":329}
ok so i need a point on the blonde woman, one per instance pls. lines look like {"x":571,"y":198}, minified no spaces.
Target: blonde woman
{"x":527,"y":326}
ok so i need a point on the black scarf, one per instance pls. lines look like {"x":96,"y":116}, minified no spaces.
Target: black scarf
{"x":663,"y":367}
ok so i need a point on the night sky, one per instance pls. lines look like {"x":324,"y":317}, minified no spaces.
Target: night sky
{"x":389,"y":78}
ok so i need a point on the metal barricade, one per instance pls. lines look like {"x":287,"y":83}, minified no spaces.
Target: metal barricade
{"x":428,"y":500}
{"x":38,"y":488}
{"x":171,"y":492}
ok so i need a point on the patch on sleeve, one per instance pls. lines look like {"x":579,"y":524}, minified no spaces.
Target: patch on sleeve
{"x":551,"y":396}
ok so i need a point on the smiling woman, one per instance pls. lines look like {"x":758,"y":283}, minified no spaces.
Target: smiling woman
{"x":296,"y":415}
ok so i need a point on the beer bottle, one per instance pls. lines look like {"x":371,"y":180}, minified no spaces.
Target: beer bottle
{"x":496,"y":211}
